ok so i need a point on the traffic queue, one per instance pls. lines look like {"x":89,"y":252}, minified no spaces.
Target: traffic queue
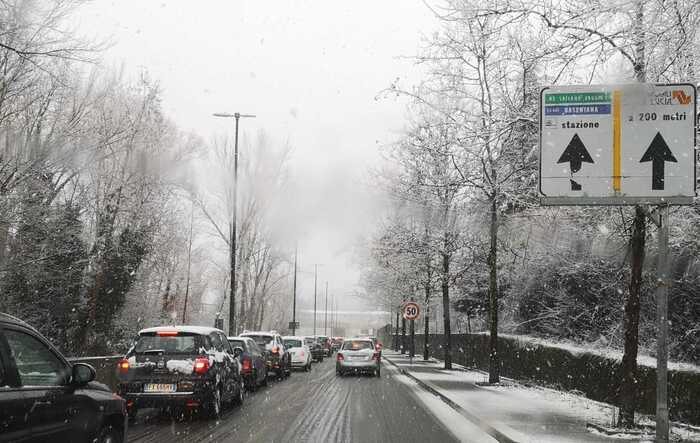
{"x":181,"y":370}
{"x":195,"y":370}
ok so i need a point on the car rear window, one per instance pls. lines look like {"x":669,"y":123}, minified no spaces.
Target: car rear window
{"x":261,"y":340}
{"x":237,"y":344}
{"x":182,"y":343}
{"x":357,"y":345}
{"x":293,"y":343}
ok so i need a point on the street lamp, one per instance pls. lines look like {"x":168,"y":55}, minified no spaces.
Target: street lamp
{"x":232,"y":307}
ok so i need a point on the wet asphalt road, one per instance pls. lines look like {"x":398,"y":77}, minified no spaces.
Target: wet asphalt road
{"x":314,"y":406}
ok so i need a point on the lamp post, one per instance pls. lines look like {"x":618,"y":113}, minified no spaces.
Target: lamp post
{"x":232,"y":307}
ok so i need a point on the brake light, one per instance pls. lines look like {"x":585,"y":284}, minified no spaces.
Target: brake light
{"x":201,"y":365}
{"x":246,"y":365}
{"x":123,"y":366}
{"x":378,"y":347}
{"x":166,"y":333}
{"x":301,"y":354}
{"x":376,"y":356}
{"x":340,"y":357}
{"x":276,"y":350}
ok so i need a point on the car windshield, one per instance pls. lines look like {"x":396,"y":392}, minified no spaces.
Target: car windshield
{"x":292,"y":343}
{"x":262,"y":340}
{"x":180,"y":344}
{"x":357,"y":345}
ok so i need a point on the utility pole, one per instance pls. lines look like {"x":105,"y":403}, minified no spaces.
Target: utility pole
{"x":294,"y":303}
{"x":189,"y":266}
{"x":325,"y":314}
{"x":232,"y":305}
{"x":315,"y":287}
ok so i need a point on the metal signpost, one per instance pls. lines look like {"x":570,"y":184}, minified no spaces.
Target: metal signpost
{"x":623,"y":145}
{"x":411,"y":312}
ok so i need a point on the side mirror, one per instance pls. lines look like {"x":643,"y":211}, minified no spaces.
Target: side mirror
{"x":82,"y":374}
{"x":237,"y":351}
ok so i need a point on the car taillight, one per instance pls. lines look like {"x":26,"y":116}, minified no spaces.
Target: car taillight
{"x":378,"y":347}
{"x":246,"y":365}
{"x":124,"y":366}
{"x":301,"y":354}
{"x":340,"y":357}
{"x":166,"y":333}
{"x":376,"y":356}
{"x":201,"y":365}
{"x":276,"y":350}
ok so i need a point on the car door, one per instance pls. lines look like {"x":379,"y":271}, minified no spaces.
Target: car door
{"x":14,"y":406}
{"x":223,"y":366}
{"x":232,"y":363}
{"x":55,"y":412}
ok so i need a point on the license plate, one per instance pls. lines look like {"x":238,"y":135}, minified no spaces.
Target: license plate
{"x":159,"y":387}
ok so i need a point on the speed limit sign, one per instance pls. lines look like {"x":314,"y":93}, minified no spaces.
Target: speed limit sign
{"x":411,"y":311}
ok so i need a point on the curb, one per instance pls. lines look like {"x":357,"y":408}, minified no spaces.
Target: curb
{"x":493,"y":432}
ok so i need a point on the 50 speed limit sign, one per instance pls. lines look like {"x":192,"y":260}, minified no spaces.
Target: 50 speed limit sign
{"x":411,"y":311}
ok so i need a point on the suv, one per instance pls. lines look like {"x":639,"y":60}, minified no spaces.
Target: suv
{"x":317,"y":351}
{"x":278,"y":358}
{"x":46,"y":398}
{"x":253,"y":361}
{"x":325,"y":344}
{"x":180,"y":367}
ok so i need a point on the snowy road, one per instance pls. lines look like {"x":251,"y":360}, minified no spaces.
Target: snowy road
{"x":311,"y":407}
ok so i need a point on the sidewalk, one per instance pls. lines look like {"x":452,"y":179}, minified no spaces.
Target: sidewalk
{"x":511,"y":411}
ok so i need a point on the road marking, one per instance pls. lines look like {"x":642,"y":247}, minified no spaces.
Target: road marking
{"x":617,"y":95}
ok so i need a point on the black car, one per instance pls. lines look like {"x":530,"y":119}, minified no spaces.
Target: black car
{"x":180,"y":368}
{"x":278,"y":359}
{"x":252,"y":360}
{"x":46,"y":398}
{"x":317,"y":351}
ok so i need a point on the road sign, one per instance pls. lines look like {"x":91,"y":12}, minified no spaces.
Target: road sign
{"x":411,"y":311}
{"x":618,"y":144}
{"x":293,"y":325}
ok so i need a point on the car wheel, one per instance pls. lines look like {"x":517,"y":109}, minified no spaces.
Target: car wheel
{"x":214,"y":407}
{"x":240,"y":395}
{"x":339,"y":373}
{"x":308,"y":367}
{"x":264,"y":382}
{"x":132,"y":412}
{"x":378,"y":372}
{"x":253,"y":384}
{"x":320,"y":360}
{"x":110,"y":434}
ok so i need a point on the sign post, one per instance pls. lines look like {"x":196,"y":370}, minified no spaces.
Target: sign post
{"x":623,"y":145}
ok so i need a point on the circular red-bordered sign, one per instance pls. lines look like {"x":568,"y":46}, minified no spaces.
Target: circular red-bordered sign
{"x":411,"y":311}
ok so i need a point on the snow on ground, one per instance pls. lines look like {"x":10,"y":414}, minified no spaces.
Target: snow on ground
{"x":460,"y":427}
{"x":523,"y":413}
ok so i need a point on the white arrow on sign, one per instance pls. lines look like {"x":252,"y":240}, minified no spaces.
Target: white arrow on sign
{"x":618,"y":144}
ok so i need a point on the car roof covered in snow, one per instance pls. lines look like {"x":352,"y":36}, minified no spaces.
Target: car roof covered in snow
{"x":293,"y":337}
{"x":249,"y":333}
{"x":200,"y":330}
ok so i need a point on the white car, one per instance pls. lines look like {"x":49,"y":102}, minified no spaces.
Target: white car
{"x":299,"y":352}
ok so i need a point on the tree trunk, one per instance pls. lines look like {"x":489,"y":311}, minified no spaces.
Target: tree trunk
{"x":494,"y":364}
{"x":628,"y":368}
{"x":446,"y":308}
{"x":396,"y":336}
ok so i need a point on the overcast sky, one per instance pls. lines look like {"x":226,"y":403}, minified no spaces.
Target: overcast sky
{"x":309,"y":70}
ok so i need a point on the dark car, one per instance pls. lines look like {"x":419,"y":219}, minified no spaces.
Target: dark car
{"x":43,"y":397}
{"x":336,"y":343}
{"x":252,"y":360}
{"x":278,"y":358}
{"x":325,"y":344}
{"x":180,"y":368}
{"x":317,"y":351}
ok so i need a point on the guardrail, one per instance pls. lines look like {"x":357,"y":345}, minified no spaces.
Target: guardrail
{"x":106,"y":367}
